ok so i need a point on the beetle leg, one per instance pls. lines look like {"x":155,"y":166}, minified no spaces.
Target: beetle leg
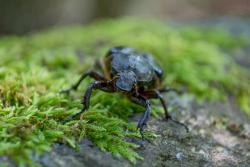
{"x":102,"y":85}
{"x":91,"y":74}
{"x":95,"y":85}
{"x":156,"y":94}
{"x":167,"y":115}
{"x":143,"y":120}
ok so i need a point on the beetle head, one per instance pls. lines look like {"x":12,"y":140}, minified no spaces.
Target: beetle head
{"x":125,"y":81}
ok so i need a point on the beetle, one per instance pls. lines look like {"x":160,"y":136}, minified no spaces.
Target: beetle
{"x":132,"y":73}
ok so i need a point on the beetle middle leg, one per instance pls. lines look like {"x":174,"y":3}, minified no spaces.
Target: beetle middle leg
{"x":91,"y":74}
{"x":156,"y":94}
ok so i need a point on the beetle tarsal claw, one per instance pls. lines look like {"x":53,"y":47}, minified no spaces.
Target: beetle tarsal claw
{"x":65,"y":91}
{"x":179,"y":123}
{"x":70,"y":118}
{"x":141,"y":126}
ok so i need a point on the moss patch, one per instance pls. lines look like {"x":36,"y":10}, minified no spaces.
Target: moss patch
{"x":34,"y":68}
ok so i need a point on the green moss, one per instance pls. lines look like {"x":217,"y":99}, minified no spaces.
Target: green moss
{"x":34,"y":68}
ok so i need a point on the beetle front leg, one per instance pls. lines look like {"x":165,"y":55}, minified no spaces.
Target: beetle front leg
{"x":143,"y":120}
{"x":94,"y":85}
{"x":102,"y":85}
{"x":91,"y":74}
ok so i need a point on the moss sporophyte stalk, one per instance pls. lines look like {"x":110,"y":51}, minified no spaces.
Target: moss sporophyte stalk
{"x":34,"y":68}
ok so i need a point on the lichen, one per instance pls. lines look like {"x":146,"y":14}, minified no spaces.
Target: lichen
{"x":34,"y":68}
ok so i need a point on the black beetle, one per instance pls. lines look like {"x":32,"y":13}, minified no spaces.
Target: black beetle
{"x":134,"y":73}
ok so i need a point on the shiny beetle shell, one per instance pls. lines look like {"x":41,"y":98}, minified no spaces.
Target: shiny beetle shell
{"x":123,"y":59}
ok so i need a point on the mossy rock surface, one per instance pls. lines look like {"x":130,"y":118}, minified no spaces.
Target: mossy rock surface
{"x":199,"y":61}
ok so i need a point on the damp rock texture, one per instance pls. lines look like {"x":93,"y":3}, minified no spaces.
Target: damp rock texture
{"x":219,"y":136}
